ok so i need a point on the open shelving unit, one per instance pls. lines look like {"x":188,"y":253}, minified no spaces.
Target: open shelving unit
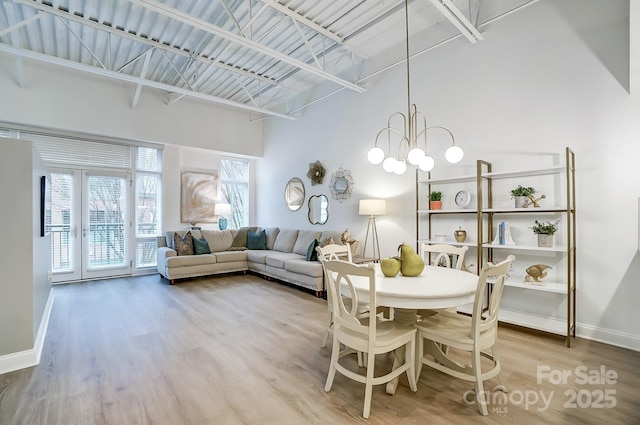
{"x":560,"y":205}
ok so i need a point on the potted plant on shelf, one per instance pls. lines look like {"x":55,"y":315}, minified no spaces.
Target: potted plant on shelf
{"x":545,"y":232}
{"x":435,"y":200}
{"x":521,"y":195}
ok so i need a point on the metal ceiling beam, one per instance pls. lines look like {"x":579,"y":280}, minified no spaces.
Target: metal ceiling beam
{"x":304,"y":21}
{"x":457,"y":18}
{"x":104,"y":27}
{"x":212,"y":29}
{"x":135,"y":80}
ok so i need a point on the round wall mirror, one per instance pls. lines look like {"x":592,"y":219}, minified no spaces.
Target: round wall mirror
{"x":318,"y":209}
{"x":294,"y":194}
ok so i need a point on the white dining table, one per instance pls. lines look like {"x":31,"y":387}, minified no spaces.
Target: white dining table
{"x":435,"y":288}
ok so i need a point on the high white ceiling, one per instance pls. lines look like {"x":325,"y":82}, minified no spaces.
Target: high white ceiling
{"x":272,"y":57}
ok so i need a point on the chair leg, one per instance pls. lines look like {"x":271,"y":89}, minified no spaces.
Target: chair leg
{"x":410,"y":357}
{"x":420,"y":357}
{"x":326,"y":334}
{"x":480,"y":398}
{"x":335,"y":355}
{"x":368,"y":390}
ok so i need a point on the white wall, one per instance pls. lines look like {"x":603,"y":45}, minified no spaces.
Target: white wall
{"x":541,"y":80}
{"x":70,"y":100}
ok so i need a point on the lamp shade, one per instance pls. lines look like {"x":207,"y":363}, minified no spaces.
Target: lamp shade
{"x":223,"y":210}
{"x":373,"y":207}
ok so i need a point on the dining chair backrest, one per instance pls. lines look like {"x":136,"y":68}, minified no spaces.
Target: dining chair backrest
{"x":340,"y":278}
{"x":486,"y":325}
{"x":443,"y":253}
{"x":334,"y":252}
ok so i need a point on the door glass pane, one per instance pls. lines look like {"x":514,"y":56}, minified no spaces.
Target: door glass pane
{"x":61,"y":241}
{"x":107,"y":205}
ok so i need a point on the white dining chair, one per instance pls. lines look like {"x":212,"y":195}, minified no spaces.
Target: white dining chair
{"x":372,"y":335}
{"x":445,"y":255}
{"x":476,"y":335}
{"x":334,"y":252}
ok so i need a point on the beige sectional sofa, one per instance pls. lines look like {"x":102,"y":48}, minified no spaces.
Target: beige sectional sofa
{"x":284,"y":259}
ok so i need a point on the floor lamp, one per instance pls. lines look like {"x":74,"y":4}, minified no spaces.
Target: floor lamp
{"x":372,"y":208}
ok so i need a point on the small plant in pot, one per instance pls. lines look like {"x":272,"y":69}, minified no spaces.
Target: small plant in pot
{"x":521,"y":195}
{"x":545,"y":232}
{"x":435,"y":200}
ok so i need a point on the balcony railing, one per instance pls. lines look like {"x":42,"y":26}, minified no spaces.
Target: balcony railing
{"x":107,"y":246}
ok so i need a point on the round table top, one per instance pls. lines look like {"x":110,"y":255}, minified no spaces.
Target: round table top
{"x":434,"y":288}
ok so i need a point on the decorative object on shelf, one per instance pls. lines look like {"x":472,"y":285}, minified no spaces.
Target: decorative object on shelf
{"x":521,"y":195}
{"x":294,"y":194}
{"x":463,"y":199}
{"x":412,"y":130}
{"x":223,"y":211}
{"x":545,"y":232}
{"x":536,"y":272}
{"x":198,"y":194}
{"x":440,"y":238}
{"x":318,"y":209}
{"x":316,"y":172}
{"x":503,"y":235}
{"x":460,"y":235}
{"x":341,"y":184}
{"x":372,"y":208}
{"x":390,"y":266}
{"x":435,"y":200}
{"x":468,"y":268}
{"x":533,"y":201}
{"x":411,"y":264}
{"x":345,"y":238}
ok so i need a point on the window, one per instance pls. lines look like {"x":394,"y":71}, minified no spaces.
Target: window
{"x":234,"y":185}
{"x":148,"y":214}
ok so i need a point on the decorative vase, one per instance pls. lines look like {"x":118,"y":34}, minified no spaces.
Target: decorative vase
{"x":520,"y":201}
{"x":545,"y":241}
{"x":460,"y":235}
{"x":435,"y":205}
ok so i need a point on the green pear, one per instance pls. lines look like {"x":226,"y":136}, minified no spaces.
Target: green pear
{"x":390,"y":266}
{"x":411,"y":264}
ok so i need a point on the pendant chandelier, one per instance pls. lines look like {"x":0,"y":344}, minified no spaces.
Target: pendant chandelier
{"x":411,"y":136}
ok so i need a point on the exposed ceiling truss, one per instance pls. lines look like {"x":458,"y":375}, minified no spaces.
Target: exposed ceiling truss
{"x":258,"y":55}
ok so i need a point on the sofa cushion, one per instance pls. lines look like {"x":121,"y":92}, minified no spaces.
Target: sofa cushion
{"x":259,"y":256}
{"x":240,"y":241}
{"x":183,"y":244}
{"x":301,"y":266}
{"x":230,"y":256}
{"x":305,"y":237}
{"x":285,"y":241}
{"x":218,"y":240}
{"x":191,"y":260}
{"x":272,"y":233}
{"x":278,"y":259}
{"x":200,"y":246}
{"x":256,"y":240}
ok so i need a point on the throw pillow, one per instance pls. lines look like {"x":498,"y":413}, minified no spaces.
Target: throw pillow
{"x":312,"y":254}
{"x":240,"y":240}
{"x":183,"y":245}
{"x":328,"y":241}
{"x":256,"y":240}
{"x":201,"y":246}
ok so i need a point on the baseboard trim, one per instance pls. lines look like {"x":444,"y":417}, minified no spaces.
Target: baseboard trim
{"x":608,"y":336}
{"x":30,"y":357}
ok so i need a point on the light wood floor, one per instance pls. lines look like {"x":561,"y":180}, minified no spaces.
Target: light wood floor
{"x":241,"y":350}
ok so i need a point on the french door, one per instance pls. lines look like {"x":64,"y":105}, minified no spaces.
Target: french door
{"x":90,"y":225}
